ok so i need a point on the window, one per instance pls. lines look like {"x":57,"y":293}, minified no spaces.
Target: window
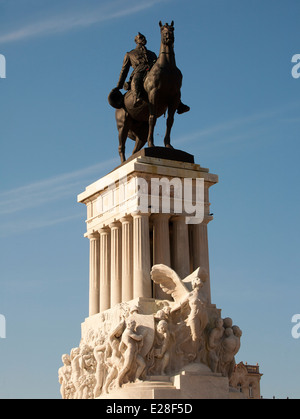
{"x":250,"y":391}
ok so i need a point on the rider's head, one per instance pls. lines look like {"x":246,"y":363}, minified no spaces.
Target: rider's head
{"x":140,"y":39}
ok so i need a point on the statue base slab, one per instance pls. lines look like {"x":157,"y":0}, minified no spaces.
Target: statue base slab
{"x":163,"y":153}
{"x":196,"y":381}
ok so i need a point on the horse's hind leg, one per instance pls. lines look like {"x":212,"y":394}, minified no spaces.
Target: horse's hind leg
{"x":139,"y":144}
{"x":123,"y":133}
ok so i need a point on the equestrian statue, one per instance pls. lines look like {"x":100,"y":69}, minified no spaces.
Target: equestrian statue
{"x":152,"y":90}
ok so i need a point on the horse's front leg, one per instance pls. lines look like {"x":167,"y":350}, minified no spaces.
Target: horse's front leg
{"x":122,"y":141}
{"x":170,"y":121}
{"x":152,"y":121}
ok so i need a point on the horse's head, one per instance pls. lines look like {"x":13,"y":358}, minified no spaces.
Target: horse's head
{"x":167,"y":33}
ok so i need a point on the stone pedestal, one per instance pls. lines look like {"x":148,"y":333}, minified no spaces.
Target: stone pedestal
{"x":144,"y":212}
{"x":152,"y":330}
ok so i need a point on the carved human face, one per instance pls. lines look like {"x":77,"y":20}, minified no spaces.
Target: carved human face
{"x":228,"y":331}
{"x":140,"y":39}
{"x":167,"y":309}
{"x":74,"y":352}
{"x":162,"y":326}
{"x":66,"y":359}
{"x":227,"y":322}
{"x":197,"y":283}
{"x":219,"y":323}
{"x":131,"y":324}
{"x":237,"y":331}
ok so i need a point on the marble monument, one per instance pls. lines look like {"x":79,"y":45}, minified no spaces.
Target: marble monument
{"x":152,"y":331}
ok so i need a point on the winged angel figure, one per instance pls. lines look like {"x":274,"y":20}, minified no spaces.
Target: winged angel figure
{"x":185,"y":292}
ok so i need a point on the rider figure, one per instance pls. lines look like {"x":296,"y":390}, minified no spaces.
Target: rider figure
{"x":141,"y":60}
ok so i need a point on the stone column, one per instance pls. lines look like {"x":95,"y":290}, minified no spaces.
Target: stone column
{"x":116,"y":263}
{"x":104,"y":268}
{"x":180,"y":247}
{"x":142,"y":286}
{"x":127,"y":259}
{"x":200,"y":252}
{"x":161,"y":247}
{"x":94,"y":285}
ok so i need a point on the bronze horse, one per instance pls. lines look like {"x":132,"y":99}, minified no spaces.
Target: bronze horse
{"x":162,"y":86}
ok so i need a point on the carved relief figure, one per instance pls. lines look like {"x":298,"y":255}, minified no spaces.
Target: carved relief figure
{"x":160,"y":351}
{"x":213,"y":345}
{"x":229,"y":348}
{"x":113,"y":355}
{"x":75,"y":370}
{"x":130,"y":345}
{"x":99,"y":354}
{"x":163,"y":314}
{"x":64,"y":375}
{"x":179,"y":332}
{"x":87,"y":369}
{"x":197,"y":318}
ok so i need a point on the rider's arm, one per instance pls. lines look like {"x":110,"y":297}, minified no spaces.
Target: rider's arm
{"x":124,"y":71}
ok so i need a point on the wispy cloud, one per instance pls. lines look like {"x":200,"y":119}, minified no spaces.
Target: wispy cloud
{"x":235,"y":129}
{"x":63,"y":23}
{"x":21,"y":226}
{"x":47,"y":190}
{"x":37,"y":197}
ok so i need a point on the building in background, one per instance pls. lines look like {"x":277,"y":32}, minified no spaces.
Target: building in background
{"x":246,"y":379}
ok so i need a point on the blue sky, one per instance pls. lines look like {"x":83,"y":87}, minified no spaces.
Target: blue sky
{"x":58,"y":134}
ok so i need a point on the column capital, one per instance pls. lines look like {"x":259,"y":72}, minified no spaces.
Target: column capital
{"x":160,"y":215}
{"x":126,"y":218}
{"x":104,"y":230}
{"x":207,"y":219}
{"x":178,"y":217}
{"x":140,"y":213}
{"x":115,"y":224}
{"x":93,"y":236}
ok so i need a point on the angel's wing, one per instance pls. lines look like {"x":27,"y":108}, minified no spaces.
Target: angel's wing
{"x":118,"y":329}
{"x":169,"y":281}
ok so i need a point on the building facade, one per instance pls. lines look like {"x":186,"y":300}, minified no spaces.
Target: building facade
{"x":246,"y":379}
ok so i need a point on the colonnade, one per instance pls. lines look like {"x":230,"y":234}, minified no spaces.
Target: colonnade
{"x":122,"y":253}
